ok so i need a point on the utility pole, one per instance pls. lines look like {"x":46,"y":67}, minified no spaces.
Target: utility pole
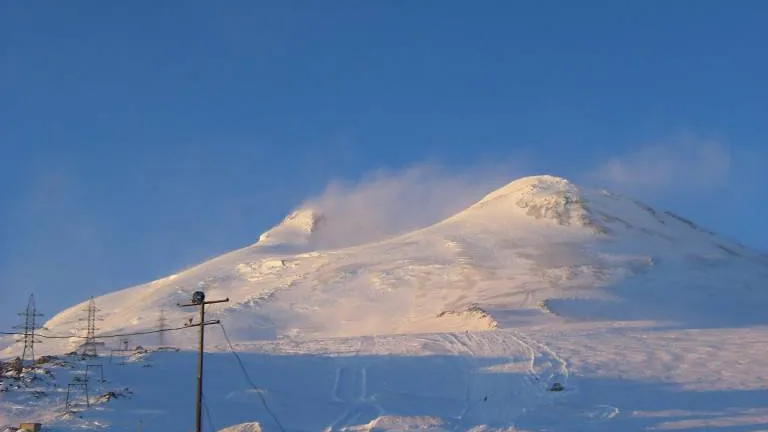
{"x":29,"y":326}
{"x":95,"y":366}
{"x":161,"y":322}
{"x":198,"y":299}
{"x":70,"y":402}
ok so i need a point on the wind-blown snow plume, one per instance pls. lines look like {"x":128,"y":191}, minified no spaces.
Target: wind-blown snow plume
{"x":681,"y":163}
{"x":539,"y":294}
{"x":386,"y":203}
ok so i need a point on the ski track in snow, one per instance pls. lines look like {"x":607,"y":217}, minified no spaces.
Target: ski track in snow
{"x":351,"y":389}
{"x":475,"y":350}
{"x":513,"y":369}
{"x":592,"y":262}
{"x":546,"y":365}
{"x":604,"y":413}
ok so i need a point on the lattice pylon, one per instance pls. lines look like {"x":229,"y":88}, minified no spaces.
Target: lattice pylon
{"x":28,"y":326}
{"x":89,"y":347}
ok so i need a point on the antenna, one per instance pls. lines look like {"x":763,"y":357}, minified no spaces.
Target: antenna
{"x":29,"y":326}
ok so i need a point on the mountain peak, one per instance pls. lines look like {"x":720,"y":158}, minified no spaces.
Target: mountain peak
{"x":297,"y":229}
{"x":533,"y":187}
{"x":537,"y":184}
{"x":540,"y":238}
{"x":541,"y":197}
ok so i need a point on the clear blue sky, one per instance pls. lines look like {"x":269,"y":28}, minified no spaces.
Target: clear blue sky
{"x":141,"y":137}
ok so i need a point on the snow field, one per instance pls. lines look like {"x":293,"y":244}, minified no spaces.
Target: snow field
{"x":648,"y":321}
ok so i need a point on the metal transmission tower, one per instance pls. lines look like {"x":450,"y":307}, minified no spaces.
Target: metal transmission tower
{"x":29,"y":326}
{"x":89,"y":347}
{"x":161,"y":323}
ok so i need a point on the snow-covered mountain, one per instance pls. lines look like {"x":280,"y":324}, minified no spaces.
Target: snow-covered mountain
{"x":536,"y":248}
{"x":535,"y":273}
{"x":297,"y":230}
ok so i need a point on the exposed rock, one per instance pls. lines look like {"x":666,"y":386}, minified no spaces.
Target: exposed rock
{"x":556,"y":387}
{"x":46,"y":360}
{"x":117,"y":394}
{"x":472,"y":311}
{"x":245,"y":427}
{"x":14,"y":365}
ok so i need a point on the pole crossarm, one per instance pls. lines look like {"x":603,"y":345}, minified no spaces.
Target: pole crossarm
{"x":207,"y":323}
{"x":206,"y":302}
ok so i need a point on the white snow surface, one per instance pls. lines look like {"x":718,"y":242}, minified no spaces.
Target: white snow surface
{"x":647,"y":320}
{"x":297,"y":230}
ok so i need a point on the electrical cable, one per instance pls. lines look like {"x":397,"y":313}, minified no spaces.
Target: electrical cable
{"x":248,"y":378}
{"x":208,"y":416}
{"x":106,"y":336}
{"x":226,"y":336}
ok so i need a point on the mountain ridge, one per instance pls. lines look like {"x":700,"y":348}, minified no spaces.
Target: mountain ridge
{"x":542,"y":237}
{"x":517,"y":313}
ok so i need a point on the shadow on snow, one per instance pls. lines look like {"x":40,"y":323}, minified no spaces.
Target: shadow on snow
{"x":312,"y":392}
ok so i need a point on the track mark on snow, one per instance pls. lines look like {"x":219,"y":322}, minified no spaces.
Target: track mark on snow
{"x":495,"y":393}
{"x":546,"y":366}
{"x":351,"y":388}
{"x":336,"y":382}
{"x":603,"y":413}
{"x":461,"y":348}
{"x":364,"y":383}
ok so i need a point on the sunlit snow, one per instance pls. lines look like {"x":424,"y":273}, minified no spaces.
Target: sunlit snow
{"x":646,"y":320}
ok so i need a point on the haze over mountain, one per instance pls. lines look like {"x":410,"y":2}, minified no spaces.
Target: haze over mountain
{"x":535,"y":264}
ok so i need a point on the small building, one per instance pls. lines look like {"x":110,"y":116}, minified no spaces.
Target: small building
{"x":30,"y":427}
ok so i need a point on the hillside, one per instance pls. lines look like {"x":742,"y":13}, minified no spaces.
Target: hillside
{"x":467,"y":323}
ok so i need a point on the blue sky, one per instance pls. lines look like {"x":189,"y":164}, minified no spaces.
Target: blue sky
{"x":141,"y":137}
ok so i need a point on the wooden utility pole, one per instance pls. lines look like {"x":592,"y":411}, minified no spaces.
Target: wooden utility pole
{"x":161,"y":324}
{"x":198,"y":299}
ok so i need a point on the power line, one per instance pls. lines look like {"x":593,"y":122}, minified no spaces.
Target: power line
{"x":208,"y":416}
{"x":161,"y":330}
{"x":104,"y":336}
{"x":248,"y":378}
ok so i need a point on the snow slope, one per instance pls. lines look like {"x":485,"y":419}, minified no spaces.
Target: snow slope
{"x":465,"y":324}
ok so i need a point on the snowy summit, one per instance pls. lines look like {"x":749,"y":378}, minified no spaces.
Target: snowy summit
{"x":542,"y":306}
{"x":297,"y":229}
